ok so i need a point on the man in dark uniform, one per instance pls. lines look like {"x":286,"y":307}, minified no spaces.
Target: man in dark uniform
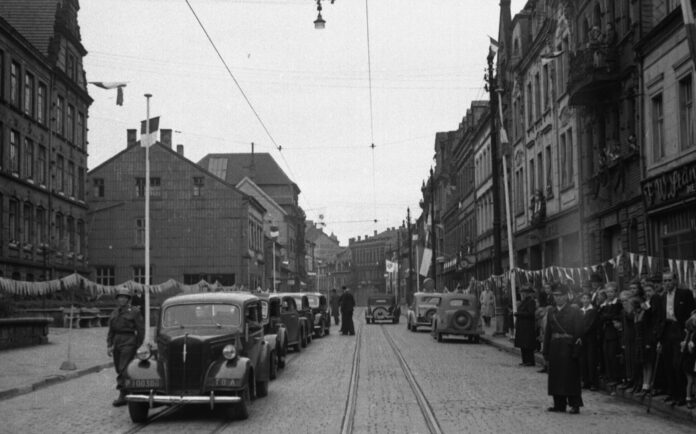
{"x":563,"y":332}
{"x":525,"y":330}
{"x":347,"y":304}
{"x":333,"y":302}
{"x":126,"y":334}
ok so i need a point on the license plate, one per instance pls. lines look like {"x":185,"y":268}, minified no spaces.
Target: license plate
{"x":146,"y":383}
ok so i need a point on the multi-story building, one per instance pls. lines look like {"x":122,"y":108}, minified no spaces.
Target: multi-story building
{"x":368,"y":257}
{"x":543,"y":164}
{"x":669,"y":149}
{"x":483,"y":196}
{"x":263,"y":170}
{"x":201,"y":227}
{"x":43,"y":140}
{"x":324,"y":249}
{"x":603,"y":84}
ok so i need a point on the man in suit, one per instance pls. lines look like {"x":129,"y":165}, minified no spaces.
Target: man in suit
{"x":589,"y":361}
{"x":525,"y":330}
{"x":674,"y":309}
{"x":610,"y":317}
{"x":347,"y":304}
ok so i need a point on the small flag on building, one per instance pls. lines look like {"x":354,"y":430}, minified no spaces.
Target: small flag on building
{"x":494,"y":46}
{"x":275,"y":233}
{"x":549,"y":57}
{"x":118,"y":85}
{"x":149,"y":138}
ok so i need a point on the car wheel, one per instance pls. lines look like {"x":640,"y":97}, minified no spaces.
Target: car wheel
{"x":273,"y":372}
{"x":303,"y":339}
{"x":240,"y":410}
{"x":138,"y":411}
{"x":261,"y":389}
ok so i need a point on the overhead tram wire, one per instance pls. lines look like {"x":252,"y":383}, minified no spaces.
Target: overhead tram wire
{"x":372,"y":122}
{"x":229,"y":71}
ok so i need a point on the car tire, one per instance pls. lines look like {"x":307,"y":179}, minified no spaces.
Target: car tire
{"x":240,"y":410}
{"x":261,"y":389}
{"x":138,"y":411}
{"x":303,"y":339}
{"x":273,"y":370}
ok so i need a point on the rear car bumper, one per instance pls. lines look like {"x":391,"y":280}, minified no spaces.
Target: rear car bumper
{"x":453,"y":331}
{"x":183,"y":399}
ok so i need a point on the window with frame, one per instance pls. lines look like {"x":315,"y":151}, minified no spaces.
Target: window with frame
{"x":29,"y":94}
{"x":564,"y":174}
{"x":15,"y":85}
{"x":139,"y":275}
{"x":70,"y":123}
{"x":547,"y":88}
{"x":519,"y":191}
{"x":13,"y":220}
{"x":28,"y":158}
{"x":60,"y":232}
{"x":60,"y":116}
{"x":14,"y":152}
{"x":80,"y":238}
{"x":105,"y":275}
{"x":140,"y":232}
{"x":60,"y":172}
{"x":658,"y":135}
{"x":80,"y":131}
{"x":530,"y":105}
{"x":98,"y":186}
{"x":540,"y":170}
{"x":41,"y":165}
{"x":548,"y":171}
{"x":41,"y":225}
{"x":570,"y":160}
{"x":155,"y":187}
{"x":139,"y":187}
{"x":532,"y":177}
{"x":28,"y":226}
{"x":537,"y":95}
{"x":70,"y":223}
{"x":41,"y":103}
{"x":197,"y":185}
{"x":686,"y":112}
{"x":71,"y":179}
{"x":81,"y":183}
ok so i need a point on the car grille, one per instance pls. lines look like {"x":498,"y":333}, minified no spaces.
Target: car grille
{"x":188,"y":375}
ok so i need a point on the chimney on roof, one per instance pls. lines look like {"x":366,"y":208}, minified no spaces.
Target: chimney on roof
{"x":358,"y":237}
{"x":166,"y":137}
{"x":131,"y":137}
{"x":180,"y":150}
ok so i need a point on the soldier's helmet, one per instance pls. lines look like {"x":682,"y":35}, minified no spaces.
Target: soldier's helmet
{"x":122,"y":290}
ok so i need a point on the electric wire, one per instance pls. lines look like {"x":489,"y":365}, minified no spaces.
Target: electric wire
{"x":372,"y":122}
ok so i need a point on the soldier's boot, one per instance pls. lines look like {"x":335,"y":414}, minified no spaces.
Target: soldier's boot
{"x":120,"y":401}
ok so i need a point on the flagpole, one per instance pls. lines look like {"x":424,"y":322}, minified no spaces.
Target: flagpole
{"x":274,"y":265}
{"x":147,"y":220}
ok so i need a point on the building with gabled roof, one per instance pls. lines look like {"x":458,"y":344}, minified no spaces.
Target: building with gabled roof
{"x":202,"y":227}
{"x":43,"y":140}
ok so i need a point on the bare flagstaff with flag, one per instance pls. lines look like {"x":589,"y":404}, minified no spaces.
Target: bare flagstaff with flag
{"x":150,"y":137}
{"x":108,"y":85}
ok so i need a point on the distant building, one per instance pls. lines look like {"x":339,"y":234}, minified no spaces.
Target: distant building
{"x":201,"y":226}
{"x":43,"y":140}
{"x":263,"y":170}
{"x":369,"y":267}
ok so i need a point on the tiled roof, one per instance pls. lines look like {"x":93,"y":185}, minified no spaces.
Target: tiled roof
{"x":34,"y":19}
{"x":234,"y":167}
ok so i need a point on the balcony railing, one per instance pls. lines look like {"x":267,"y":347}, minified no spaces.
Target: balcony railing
{"x":592,"y":69}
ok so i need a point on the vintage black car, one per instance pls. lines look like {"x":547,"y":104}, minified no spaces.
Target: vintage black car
{"x":272,"y":325}
{"x":305,"y":311}
{"x":422,"y":309}
{"x":382,"y":307}
{"x":457,"y":314}
{"x":209,"y":349}
{"x":320,"y":310}
{"x":296,"y":327}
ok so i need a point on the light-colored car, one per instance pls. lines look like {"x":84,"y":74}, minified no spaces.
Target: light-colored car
{"x":457,"y":314}
{"x":421,"y":311}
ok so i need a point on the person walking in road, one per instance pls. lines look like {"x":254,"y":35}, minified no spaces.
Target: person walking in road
{"x":126,"y":334}
{"x":347,"y":304}
{"x":525,"y":330}
{"x":561,"y":349}
{"x":333,"y":303}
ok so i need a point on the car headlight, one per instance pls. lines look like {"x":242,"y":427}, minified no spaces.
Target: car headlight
{"x":143,"y":352}
{"x":229,"y":352}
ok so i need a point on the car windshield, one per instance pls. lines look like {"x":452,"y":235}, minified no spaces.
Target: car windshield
{"x":313,"y":300}
{"x":430,"y":300}
{"x":378,"y":301}
{"x":201,"y":314}
{"x":457,"y":302}
{"x":298,"y":302}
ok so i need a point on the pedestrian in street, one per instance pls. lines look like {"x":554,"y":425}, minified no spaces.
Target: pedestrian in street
{"x":333,"y":303}
{"x":126,"y":334}
{"x":589,"y":364}
{"x":561,"y":349}
{"x":610,"y":316}
{"x":677,"y":305}
{"x":525,"y":329}
{"x":347,"y":304}
{"x":487,"y":305}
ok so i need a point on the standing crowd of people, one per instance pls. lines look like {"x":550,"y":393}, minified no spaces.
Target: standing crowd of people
{"x":641,"y":339}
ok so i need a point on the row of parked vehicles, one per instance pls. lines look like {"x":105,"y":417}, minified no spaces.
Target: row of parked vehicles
{"x":221,"y":349}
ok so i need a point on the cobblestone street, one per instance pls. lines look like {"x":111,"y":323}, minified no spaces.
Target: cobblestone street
{"x":467,"y":388}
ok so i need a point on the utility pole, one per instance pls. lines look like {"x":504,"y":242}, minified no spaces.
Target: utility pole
{"x":432,"y":227}
{"x":409,"y":286}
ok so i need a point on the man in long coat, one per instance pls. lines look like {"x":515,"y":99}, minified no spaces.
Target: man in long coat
{"x":563,"y":335}
{"x":525,"y":329}
{"x":347,"y":304}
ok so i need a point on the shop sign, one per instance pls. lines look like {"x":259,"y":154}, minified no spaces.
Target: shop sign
{"x":677,"y":184}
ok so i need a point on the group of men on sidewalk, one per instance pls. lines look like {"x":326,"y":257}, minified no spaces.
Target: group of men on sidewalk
{"x":345,"y":304}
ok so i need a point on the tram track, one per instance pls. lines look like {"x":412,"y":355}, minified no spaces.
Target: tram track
{"x":351,"y":399}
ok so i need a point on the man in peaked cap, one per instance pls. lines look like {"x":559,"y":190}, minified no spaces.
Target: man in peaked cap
{"x":126,"y":334}
{"x":561,"y":348}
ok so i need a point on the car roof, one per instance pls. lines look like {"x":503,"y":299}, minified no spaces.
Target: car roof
{"x":211,"y":297}
{"x":455,"y":296}
{"x":424,"y":294}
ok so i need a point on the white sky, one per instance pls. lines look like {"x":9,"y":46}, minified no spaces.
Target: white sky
{"x":310,"y":87}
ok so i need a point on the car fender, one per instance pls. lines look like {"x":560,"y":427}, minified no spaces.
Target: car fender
{"x":229,"y":373}
{"x":262,"y":370}
{"x":143,"y":370}
{"x":271,"y":341}
{"x":281,"y":340}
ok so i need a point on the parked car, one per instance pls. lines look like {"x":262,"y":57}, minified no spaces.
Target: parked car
{"x":295,"y":320}
{"x":421,"y":311}
{"x":320,"y":310}
{"x":273,"y":326}
{"x":457,"y":314}
{"x":382,"y":307}
{"x":305,"y":310}
{"x":209,"y":349}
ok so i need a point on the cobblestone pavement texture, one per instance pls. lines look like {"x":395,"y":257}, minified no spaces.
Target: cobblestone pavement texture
{"x":470,"y":387}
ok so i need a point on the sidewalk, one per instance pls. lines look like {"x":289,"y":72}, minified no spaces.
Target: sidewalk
{"x":506,"y":344}
{"x":23,"y":370}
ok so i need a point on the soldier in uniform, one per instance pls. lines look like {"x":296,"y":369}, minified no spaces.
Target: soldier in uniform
{"x":525,"y":332}
{"x":561,"y":349}
{"x":126,"y":334}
